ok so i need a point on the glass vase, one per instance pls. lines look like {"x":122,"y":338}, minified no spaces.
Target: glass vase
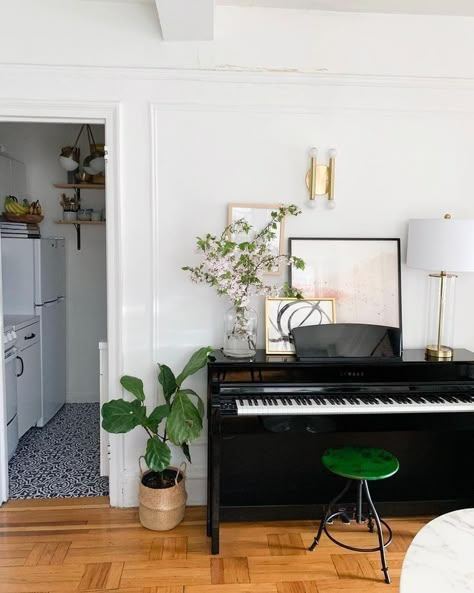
{"x":240,"y":332}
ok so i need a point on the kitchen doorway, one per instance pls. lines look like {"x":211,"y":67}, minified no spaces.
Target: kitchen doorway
{"x":79,"y":416}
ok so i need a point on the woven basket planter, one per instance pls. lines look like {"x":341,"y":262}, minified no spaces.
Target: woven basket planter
{"x":161,"y":509}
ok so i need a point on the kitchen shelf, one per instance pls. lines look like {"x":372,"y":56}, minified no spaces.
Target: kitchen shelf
{"x":74,"y":222}
{"x":77,"y":224}
{"x":79,"y":185}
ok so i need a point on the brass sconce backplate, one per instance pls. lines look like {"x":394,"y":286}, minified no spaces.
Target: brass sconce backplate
{"x":322,"y":179}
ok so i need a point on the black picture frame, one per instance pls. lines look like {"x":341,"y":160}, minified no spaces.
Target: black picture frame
{"x":362,"y":274}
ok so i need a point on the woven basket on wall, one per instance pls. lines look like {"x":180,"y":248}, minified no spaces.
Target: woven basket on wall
{"x":162,"y":509}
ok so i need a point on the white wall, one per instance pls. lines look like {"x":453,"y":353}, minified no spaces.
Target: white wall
{"x":192,"y":140}
{"x":38,"y":146}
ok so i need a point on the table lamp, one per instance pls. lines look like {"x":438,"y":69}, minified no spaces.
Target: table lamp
{"x":441,"y":245}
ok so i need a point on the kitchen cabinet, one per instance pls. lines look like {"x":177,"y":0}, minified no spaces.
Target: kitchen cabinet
{"x":29,"y":377}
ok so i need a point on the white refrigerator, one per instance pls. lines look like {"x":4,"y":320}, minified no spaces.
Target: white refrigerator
{"x":34,"y":282}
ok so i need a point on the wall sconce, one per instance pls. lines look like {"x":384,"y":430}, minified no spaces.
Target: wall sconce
{"x":320,"y":178}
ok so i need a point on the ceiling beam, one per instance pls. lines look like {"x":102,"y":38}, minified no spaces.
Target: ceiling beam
{"x":186,"y":20}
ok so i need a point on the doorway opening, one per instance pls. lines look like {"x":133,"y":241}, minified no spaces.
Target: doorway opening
{"x":55,"y":310}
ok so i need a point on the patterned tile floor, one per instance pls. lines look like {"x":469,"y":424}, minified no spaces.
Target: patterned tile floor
{"x":61,"y":459}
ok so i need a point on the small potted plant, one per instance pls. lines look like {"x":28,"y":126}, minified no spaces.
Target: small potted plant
{"x":162,"y":494}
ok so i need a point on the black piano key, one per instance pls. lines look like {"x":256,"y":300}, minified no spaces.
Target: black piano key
{"x":265,"y":403}
{"x":304,"y":402}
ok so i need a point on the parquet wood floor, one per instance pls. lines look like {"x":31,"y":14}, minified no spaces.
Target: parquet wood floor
{"x":83,"y":545}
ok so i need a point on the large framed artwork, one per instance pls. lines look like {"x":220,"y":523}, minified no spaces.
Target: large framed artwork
{"x":284,"y":314}
{"x":362,"y":275}
{"x":258,"y":216}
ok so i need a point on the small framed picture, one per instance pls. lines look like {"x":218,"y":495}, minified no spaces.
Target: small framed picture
{"x":284,"y":314}
{"x":258,"y":216}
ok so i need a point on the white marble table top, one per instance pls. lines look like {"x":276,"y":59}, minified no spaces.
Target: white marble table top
{"x":440,"y":559}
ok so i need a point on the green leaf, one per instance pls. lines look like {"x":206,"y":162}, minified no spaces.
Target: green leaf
{"x":134,"y":386}
{"x":119,"y":416}
{"x":197,"y":361}
{"x":200,"y":403}
{"x":157,"y":416}
{"x":298,"y":263}
{"x":158,"y":454}
{"x":167,"y":380}
{"x":185,"y":448}
{"x":139,"y":409}
{"x":184,"y":422}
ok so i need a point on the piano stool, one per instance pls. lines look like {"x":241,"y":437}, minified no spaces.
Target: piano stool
{"x":359,"y":465}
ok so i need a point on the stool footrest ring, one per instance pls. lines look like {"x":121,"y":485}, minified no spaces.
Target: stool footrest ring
{"x":354,"y":549}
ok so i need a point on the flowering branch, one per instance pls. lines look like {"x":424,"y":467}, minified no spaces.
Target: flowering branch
{"x":237,"y":269}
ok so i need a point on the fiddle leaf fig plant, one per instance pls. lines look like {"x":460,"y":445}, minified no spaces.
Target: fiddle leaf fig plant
{"x":178,"y":420}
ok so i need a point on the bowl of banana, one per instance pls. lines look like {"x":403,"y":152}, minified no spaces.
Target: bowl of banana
{"x":24,"y":212}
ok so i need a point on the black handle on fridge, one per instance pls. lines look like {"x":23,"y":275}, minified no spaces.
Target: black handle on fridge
{"x":22,"y":366}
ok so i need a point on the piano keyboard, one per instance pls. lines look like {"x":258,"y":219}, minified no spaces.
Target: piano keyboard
{"x":349,"y":404}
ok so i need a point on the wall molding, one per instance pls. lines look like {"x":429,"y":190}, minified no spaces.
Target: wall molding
{"x":237,"y":75}
{"x":162,"y":108}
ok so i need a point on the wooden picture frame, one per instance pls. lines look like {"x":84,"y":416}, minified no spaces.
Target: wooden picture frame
{"x":284,"y":314}
{"x":255,"y":215}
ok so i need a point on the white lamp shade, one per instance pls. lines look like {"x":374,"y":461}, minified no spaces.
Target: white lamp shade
{"x":98,"y":163}
{"x":68,"y":163}
{"x":441,"y":244}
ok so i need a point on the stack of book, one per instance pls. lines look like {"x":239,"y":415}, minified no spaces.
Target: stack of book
{"x":19,"y":230}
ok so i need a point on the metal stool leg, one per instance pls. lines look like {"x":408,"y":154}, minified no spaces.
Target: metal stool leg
{"x":370,"y":522}
{"x":359,"y":502}
{"x":327,"y":513}
{"x":379,"y":532}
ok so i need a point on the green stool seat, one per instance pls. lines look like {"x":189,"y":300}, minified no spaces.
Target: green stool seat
{"x":360,"y":463}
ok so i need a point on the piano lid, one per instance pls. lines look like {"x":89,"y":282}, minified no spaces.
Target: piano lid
{"x":412,"y":367}
{"x":347,"y":341}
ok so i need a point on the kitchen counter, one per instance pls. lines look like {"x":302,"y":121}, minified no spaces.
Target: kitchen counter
{"x":17,"y":322}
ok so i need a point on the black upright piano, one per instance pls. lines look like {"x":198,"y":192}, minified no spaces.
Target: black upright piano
{"x":271,"y":418}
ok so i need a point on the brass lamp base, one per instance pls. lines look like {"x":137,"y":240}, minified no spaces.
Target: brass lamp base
{"x":439,"y":353}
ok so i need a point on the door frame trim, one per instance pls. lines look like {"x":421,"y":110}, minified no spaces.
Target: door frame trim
{"x":109,"y":114}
